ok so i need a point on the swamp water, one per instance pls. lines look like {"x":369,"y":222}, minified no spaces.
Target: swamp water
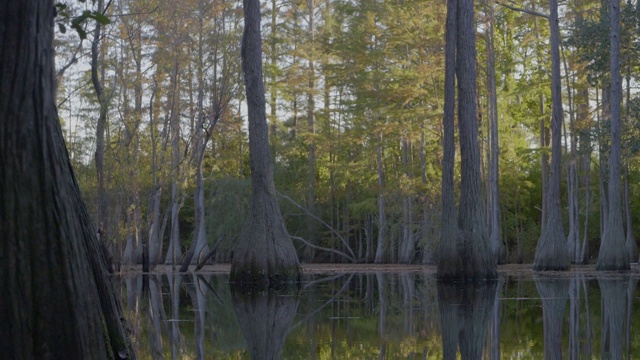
{"x":385,"y":315}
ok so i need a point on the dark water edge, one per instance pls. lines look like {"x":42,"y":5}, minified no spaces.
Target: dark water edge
{"x":386,"y":315}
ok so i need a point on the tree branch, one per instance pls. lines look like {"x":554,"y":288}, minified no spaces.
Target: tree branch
{"x":342,"y":239}
{"x":523,"y":10}
{"x":352,"y":259}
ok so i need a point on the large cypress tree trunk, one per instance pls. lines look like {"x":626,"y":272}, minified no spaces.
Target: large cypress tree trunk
{"x":613,"y":255}
{"x":476,"y":256}
{"x":264,"y":255}
{"x":57,"y":301}
{"x":552,"y":252}
{"x":449,"y":261}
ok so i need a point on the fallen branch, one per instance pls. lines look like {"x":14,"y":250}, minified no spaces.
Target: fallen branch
{"x":334,"y":231}
{"x":352,"y":259}
{"x":203,"y":261}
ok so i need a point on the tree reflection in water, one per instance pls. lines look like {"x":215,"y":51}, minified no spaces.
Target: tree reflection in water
{"x":554,"y":293}
{"x":465,"y":309}
{"x":382,"y":315}
{"x":613,"y":292}
{"x":265,"y":319}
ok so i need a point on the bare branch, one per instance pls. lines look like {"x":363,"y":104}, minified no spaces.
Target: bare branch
{"x":323,"y":248}
{"x":342,"y":239}
{"x":523,"y":10}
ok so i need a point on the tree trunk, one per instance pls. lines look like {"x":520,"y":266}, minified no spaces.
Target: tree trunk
{"x":497,"y":247}
{"x":308,"y":252}
{"x":102,"y":216}
{"x":407,"y":243}
{"x":632,"y":247}
{"x":449,"y":261}
{"x":475,"y":253}
{"x":382,"y":215}
{"x":49,"y":252}
{"x":174,"y":253}
{"x":264,"y":255}
{"x":613,"y":254}
{"x":551,"y":250}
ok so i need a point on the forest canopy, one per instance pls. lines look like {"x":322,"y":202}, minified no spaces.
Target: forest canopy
{"x":153,"y":100}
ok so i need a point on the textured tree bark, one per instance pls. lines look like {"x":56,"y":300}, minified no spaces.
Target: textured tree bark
{"x":475,"y":261}
{"x":174,"y":252}
{"x":264,"y":255}
{"x":551,"y":250}
{"x":102,"y":216}
{"x":448,"y":260}
{"x":613,"y":254}
{"x":630,"y":240}
{"x":312,"y":227}
{"x":497,"y":247}
{"x":57,"y":299}
{"x":382,"y":214}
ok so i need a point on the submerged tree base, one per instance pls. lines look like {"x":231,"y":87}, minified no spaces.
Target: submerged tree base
{"x":265,"y":257}
{"x":470,"y":261}
{"x":552,"y":253}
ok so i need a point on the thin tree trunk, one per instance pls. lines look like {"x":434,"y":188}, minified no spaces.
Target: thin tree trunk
{"x":174,"y":252}
{"x":497,"y":247}
{"x":632,"y":247}
{"x":382,"y":216}
{"x":102,"y":216}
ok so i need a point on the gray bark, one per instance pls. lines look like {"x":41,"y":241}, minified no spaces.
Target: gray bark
{"x":382,"y":215}
{"x":264,"y":255}
{"x":551,"y":250}
{"x":630,"y":241}
{"x":449,"y":261}
{"x":407,"y":243}
{"x":49,"y":253}
{"x":473,"y":247}
{"x":102,"y":215}
{"x":613,"y":254}
{"x":174,"y":253}
{"x":311,"y":157}
{"x":497,"y":246}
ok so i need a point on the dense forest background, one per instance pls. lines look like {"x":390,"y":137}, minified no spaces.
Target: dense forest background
{"x":153,"y":112}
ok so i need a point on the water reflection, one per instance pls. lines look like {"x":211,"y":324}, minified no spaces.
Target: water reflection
{"x":265,"y":319}
{"x":554,"y":293}
{"x":465,"y":310}
{"x":385,"y":316}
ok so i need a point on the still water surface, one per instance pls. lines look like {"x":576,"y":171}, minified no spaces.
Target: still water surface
{"x":386,"y":316}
